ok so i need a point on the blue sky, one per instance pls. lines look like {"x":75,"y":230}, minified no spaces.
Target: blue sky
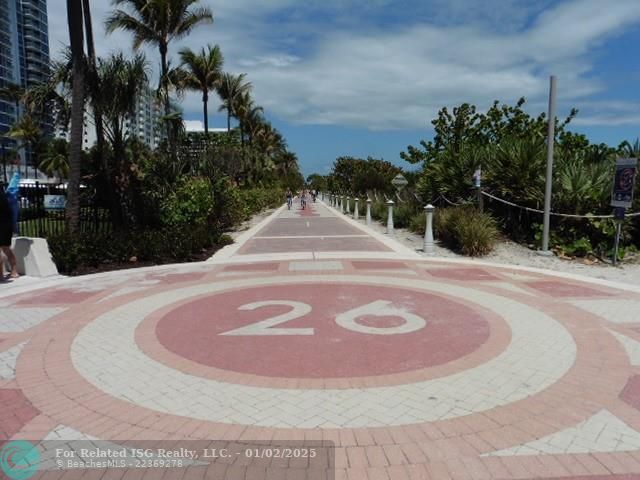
{"x":365,"y":77}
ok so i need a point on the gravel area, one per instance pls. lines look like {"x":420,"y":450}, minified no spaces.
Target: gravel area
{"x":510,"y":253}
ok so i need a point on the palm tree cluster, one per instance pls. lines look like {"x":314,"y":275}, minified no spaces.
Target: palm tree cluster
{"x":160,"y":22}
{"x":107,"y":89}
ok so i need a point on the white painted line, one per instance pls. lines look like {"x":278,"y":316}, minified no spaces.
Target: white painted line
{"x":311,"y":236}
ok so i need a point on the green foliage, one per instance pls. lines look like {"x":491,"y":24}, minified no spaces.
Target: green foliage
{"x":358,"y":176}
{"x":465,"y":126}
{"x":403,"y":214}
{"x":191,"y":203}
{"x":317,"y":182}
{"x":81,"y":252}
{"x":418,"y":223}
{"x":510,"y":146}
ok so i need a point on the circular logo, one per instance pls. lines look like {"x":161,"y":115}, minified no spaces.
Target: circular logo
{"x":19,"y":460}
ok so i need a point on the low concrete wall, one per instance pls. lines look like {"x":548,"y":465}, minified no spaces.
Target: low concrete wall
{"x":34,"y":258}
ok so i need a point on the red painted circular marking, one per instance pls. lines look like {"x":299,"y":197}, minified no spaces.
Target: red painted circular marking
{"x":193,"y":331}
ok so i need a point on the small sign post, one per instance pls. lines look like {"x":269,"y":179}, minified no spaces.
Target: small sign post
{"x":624,"y":181}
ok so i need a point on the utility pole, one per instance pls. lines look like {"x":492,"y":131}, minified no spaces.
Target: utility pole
{"x":549,"y":180}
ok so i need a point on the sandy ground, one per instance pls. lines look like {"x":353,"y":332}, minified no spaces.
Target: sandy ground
{"x":510,"y":253}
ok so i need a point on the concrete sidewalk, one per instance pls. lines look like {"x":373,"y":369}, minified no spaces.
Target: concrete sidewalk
{"x":313,"y":331}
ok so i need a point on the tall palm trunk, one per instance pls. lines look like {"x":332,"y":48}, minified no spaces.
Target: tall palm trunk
{"x":163,"y":79}
{"x":205,"y":101}
{"x":229,"y":120}
{"x":75,"y":21}
{"x":93,"y":68}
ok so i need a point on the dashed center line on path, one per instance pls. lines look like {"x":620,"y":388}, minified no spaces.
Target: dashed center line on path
{"x":310,"y":236}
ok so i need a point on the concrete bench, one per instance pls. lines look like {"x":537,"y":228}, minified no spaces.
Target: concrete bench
{"x":33,"y":256}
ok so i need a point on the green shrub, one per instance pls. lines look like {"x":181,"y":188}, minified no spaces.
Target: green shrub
{"x":476,"y":234}
{"x":418,"y":223}
{"x":82,"y":252}
{"x":190,"y":203}
{"x":379,"y":211}
{"x":256,"y":200}
{"x":403,"y":213}
{"x":466,"y":229}
{"x":228,"y":209}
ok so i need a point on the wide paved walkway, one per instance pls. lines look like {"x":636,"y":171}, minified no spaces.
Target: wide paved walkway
{"x":316,"y":348}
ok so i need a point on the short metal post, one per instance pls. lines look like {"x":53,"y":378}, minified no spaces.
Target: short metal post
{"x":368,"y":218}
{"x":390,"y":217}
{"x":356,"y":213}
{"x":348,"y":205}
{"x":428,"y":231}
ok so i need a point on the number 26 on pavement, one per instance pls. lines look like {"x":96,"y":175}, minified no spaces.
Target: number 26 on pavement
{"x":347,"y":320}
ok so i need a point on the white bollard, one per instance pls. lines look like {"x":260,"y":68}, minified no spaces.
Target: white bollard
{"x":390,"y":217}
{"x":428,"y":232}
{"x":341,"y":203}
{"x":356,"y":213}
{"x":369,"y":211}
{"x":348,"y":205}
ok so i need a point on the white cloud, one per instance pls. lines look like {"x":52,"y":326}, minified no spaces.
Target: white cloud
{"x":380,"y":77}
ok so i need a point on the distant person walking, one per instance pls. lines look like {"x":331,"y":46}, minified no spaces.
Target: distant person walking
{"x":6,"y":232}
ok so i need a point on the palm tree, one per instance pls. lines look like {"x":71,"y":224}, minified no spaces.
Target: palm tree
{"x":124,"y":80}
{"x":76,"y":30}
{"x":55,"y":161}
{"x":158,"y":22}
{"x":286,"y":162}
{"x":26,"y":130}
{"x":632,"y":150}
{"x":230,"y":89}
{"x":246,"y":112}
{"x":202,"y":72}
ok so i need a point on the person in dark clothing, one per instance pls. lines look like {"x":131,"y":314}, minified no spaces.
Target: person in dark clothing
{"x":6,"y":232}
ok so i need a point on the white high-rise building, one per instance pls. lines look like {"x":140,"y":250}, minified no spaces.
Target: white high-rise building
{"x":145,"y":123}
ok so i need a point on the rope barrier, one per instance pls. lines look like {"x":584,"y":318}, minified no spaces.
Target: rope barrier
{"x":453,"y":203}
{"x":566,"y":215}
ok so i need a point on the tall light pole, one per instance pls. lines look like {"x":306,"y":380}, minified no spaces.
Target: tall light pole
{"x":550,"y":141}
